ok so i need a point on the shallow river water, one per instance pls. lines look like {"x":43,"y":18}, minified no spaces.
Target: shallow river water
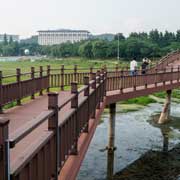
{"x":135,"y":135}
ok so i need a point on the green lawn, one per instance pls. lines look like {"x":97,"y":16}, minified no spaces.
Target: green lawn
{"x":10,"y":67}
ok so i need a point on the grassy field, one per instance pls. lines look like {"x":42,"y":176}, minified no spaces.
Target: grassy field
{"x":10,"y":67}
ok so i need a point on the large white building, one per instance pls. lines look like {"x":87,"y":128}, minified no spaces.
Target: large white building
{"x":51,"y":37}
{"x":8,"y":36}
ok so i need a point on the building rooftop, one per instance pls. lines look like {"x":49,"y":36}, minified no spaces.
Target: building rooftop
{"x":64,"y":30}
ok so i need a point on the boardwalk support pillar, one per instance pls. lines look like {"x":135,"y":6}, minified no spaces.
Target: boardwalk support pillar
{"x":111,"y":131}
{"x":164,"y":117}
{"x":111,"y":137}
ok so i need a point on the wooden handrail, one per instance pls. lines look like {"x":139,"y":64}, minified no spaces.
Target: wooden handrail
{"x":28,"y":127}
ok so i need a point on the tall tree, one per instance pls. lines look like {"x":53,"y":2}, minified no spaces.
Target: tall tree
{"x":178,"y":35}
{"x":10,"y":40}
{"x":5,"y":39}
{"x":119,"y":36}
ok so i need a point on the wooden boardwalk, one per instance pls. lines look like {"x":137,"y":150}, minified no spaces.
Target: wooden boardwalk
{"x":91,"y":101}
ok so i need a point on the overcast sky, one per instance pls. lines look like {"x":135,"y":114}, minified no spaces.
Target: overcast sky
{"x":26,"y":17}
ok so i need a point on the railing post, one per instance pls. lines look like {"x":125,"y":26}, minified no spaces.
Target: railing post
{"x":91,"y":71}
{"x":1,"y":94}
{"x":93,"y":77}
{"x":146,"y":76}
{"x":86,"y":93}
{"x":98,"y":75}
{"x":156,"y":74}
{"x":62,"y":77}
{"x":134,"y":85}
{"x":4,"y":149}
{"x":41,"y":76}
{"x":74,"y":105}
{"x":171,"y":75}
{"x":48,"y":74}
{"x":121,"y":82}
{"x":75,"y":72}
{"x":98,"y":81}
{"x":53,"y":126}
{"x":164,"y":81}
{"x":93,"y":86}
{"x":32,"y":77}
{"x":102,"y":88}
{"x":105,"y":80}
{"x":18,"y":79}
{"x":178,"y":74}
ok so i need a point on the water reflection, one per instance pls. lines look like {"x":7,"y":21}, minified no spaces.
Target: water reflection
{"x":155,"y":165}
{"x":110,"y":164}
{"x":138,"y":138}
{"x":165,"y":133}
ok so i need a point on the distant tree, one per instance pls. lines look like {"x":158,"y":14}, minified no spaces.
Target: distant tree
{"x":178,"y":35}
{"x":99,"y":49}
{"x":134,"y":35}
{"x":143,"y":35}
{"x":154,"y":36}
{"x":85,"y":50}
{"x":10,"y":40}
{"x":5,"y":40}
{"x":121,"y":37}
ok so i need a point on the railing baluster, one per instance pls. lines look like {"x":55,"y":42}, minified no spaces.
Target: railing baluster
{"x":18,"y":79}
{"x":156,"y":76}
{"x":49,"y":75}
{"x":41,"y":76}
{"x":172,"y":75}
{"x":75,"y":73}
{"x":33,"y":83}
{"x":74,"y":104}
{"x":1,"y":94}
{"x":178,"y":73}
{"x":53,"y":125}
{"x":97,"y":95}
{"x":93,"y":86}
{"x":62,"y":77}
{"x":86,"y":93}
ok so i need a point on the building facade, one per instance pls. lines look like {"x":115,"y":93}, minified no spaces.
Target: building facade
{"x":8,"y":36}
{"x":52,"y":37}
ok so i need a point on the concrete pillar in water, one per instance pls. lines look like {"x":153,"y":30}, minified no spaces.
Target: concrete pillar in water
{"x":111,"y":130}
{"x":111,"y":137}
{"x":164,"y":117}
{"x":110,"y":164}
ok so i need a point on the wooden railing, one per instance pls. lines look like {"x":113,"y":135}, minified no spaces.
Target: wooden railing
{"x":27,"y":84}
{"x":46,"y":156}
{"x":124,"y":82}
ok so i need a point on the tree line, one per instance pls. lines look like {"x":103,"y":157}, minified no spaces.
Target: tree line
{"x":142,"y":44}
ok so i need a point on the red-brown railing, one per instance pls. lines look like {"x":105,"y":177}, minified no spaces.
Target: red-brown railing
{"x":27,"y":84}
{"x":47,"y":155}
{"x":125,"y":82}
